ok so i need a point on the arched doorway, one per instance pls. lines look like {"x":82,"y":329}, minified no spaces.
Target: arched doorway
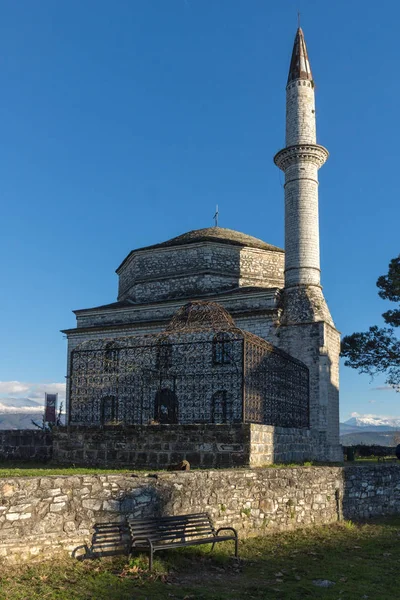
{"x":166,"y":406}
{"x":108,"y":410}
{"x":221,"y":407}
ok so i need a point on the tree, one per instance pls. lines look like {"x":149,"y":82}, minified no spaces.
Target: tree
{"x":378,"y":349}
{"x":45,"y":426}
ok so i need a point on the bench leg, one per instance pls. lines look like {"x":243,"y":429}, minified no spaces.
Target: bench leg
{"x":236,"y":547}
{"x":151,"y":559}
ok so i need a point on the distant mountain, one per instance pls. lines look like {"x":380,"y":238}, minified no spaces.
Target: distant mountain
{"x":369,"y":438}
{"x":368,"y":421}
{"x":17,"y":413}
{"x":369,"y":429}
{"x":18,"y":403}
{"x":19,"y":421}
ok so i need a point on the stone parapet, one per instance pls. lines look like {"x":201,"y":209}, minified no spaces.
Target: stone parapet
{"x":43,"y":516}
{"x":206,"y":446}
{"x":25,"y":444}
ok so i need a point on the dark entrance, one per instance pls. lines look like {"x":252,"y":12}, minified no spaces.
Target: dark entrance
{"x":221,"y":407}
{"x":166,"y":406}
{"x":108,"y":410}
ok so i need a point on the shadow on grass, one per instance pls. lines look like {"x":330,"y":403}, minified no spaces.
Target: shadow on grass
{"x":357,"y":560}
{"x":361,"y":561}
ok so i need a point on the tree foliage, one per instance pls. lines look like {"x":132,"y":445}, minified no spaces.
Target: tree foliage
{"x":378,"y":349}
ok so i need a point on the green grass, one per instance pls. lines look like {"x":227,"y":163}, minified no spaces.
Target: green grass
{"x":19,"y":468}
{"x":33,"y":469}
{"x":362,"y":560}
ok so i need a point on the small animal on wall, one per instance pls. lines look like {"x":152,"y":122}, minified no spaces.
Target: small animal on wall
{"x":184,"y":465}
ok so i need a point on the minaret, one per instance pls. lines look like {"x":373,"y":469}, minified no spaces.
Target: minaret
{"x":306,"y":329}
{"x":300,"y":161}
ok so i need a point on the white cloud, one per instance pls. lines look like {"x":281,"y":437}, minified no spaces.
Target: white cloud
{"x":32,"y":391}
{"x":384,"y":388}
{"x":19,"y":409}
{"x":371,"y":401}
{"x":13,"y":387}
{"x":38,"y":390}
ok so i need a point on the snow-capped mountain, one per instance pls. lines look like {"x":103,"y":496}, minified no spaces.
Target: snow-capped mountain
{"x":18,"y":404}
{"x":369,"y":429}
{"x":373,"y":421}
{"x":17,"y":413}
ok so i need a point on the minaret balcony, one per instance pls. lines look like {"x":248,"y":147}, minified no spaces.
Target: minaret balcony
{"x":313,"y":153}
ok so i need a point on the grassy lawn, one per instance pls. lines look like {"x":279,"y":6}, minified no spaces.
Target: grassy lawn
{"x":12,"y":468}
{"x":34,"y":469}
{"x":363,"y":561}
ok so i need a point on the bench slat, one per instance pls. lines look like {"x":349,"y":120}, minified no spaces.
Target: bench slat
{"x":171,"y":523}
{"x":175,"y":537}
{"x":172,"y":517}
{"x":210,"y":540}
{"x":178,"y":527}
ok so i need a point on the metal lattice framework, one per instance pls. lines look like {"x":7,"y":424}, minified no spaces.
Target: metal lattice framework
{"x":276,"y":387}
{"x":201,"y":369}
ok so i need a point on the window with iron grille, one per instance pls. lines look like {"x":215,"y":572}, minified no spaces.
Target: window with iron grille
{"x":110,"y":358}
{"x":164,"y":356}
{"x":222,"y":349}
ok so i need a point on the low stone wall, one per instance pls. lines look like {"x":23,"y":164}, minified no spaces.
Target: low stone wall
{"x":274,"y":445}
{"x":207,"y":446}
{"x":41,"y":516}
{"x":25,"y":444}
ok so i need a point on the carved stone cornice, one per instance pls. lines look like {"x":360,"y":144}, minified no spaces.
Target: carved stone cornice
{"x":313,"y":153}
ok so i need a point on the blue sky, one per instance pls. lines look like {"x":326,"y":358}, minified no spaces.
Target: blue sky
{"x":124,"y":123}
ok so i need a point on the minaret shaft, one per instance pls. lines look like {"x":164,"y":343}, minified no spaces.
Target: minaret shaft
{"x":300,"y":161}
{"x":302,"y":264}
{"x":300,"y":113}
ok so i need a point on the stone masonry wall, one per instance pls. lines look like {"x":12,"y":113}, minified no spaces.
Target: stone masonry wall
{"x":25,"y":444}
{"x":158,"y":314}
{"x":183,"y":271}
{"x":318,"y":345}
{"x":158,"y":446}
{"x":42,"y":516}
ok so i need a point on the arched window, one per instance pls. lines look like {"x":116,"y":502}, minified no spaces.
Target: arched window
{"x":221,"y":407}
{"x":164,"y":356}
{"x":110,"y":358}
{"x":166,"y":406}
{"x":222,"y":349}
{"x":108,"y":409}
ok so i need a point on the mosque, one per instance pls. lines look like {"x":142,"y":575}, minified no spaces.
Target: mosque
{"x":216,"y":327}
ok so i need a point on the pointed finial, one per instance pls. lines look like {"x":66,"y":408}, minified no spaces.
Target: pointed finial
{"x":298,"y":19}
{"x":299,"y":65}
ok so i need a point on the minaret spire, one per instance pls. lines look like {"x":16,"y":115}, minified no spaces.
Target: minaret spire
{"x":299,"y":65}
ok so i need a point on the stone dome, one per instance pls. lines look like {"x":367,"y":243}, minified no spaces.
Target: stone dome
{"x":216,"y":234}
{"x":199,"y":263}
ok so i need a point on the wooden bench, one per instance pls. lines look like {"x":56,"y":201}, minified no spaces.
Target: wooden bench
{"x":151,"y":534}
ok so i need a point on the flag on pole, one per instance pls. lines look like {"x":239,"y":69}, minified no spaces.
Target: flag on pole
{"x":51,"y":406}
